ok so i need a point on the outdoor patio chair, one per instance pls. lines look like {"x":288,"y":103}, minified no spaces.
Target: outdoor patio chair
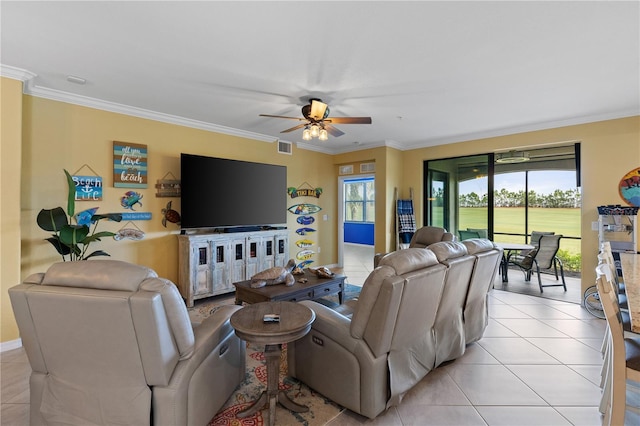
{"x":543,"y":257}
{"x":467,"y":235}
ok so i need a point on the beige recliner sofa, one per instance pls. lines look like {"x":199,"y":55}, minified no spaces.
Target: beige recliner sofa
{"x":111,"y":343}
{"x":422,"y":238}
{"x":476,"y":306}
{"x":411,"y":316}
{"x":368,"y":362}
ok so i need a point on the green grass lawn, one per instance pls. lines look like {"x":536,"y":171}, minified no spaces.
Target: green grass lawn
{"x":510,"y":220}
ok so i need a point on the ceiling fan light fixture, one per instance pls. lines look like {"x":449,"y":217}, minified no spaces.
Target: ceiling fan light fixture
{"x":323,"y":135}
{"x":306,"y":134}
{"x":315,"y":130}
{"x":512,"y":157}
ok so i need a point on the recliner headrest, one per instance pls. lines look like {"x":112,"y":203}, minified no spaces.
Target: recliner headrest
{"x":98,"y":274}
{"x":478,"y":245}
{"x":426,"y":235}
{"x":448,"y":250}
{"x":407,"y":260}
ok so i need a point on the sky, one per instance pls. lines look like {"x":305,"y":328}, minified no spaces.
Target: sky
{"x":541,"y":182}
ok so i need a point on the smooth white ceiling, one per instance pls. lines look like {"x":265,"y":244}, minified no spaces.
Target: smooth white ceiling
{"x":427,"y":73}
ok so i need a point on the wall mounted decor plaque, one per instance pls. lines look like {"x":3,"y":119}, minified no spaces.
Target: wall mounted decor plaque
{"x":304,"y":190}
{"x":168,"y":187}
{"x":629,"y":187}
{"x":136,"y":216}
{"x":129,"y":165}
{"x":88,"y":188}
{"x":304,"y":209}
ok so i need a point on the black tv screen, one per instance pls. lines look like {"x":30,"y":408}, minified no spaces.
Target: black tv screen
{"x":223,"y":193}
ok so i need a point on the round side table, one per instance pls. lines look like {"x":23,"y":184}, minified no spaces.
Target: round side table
{"x":295,"y":322}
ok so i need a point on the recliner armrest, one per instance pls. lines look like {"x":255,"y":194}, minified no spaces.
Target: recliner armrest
{"x":214,"y":327}
{"x":377,"y":257}
{"x":333,"y":325}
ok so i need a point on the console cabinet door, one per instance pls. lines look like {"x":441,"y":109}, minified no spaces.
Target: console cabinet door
{"x":282,"y":249}
{"x":221,"y":280}
{"x":202,"y":284}
{"x":252,"y":252}
{"x":267,"y":253}
{"x":237,"y":259}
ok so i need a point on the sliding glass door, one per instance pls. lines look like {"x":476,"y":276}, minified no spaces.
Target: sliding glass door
{"x":506,"y":197}
{"x":458,"y":194}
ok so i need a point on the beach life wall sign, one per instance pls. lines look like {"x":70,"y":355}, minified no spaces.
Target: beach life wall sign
{"x":88,"y":188}
{"x":129,"y":165}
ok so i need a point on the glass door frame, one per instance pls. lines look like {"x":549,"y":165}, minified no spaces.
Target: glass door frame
{"x":427,"y":179}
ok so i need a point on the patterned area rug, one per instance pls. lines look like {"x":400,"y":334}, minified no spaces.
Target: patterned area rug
{"x":321,"y":410}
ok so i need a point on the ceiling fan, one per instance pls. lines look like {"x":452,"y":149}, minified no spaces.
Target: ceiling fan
{"x":317,"y":121}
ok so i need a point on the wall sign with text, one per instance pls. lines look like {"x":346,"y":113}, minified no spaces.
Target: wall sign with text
{"x":88,"y":188}
{"x":129,"y":165}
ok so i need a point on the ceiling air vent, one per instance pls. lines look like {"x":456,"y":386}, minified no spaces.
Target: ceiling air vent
{"x":346,"y":170}
{"x":284,"y":147}
{"x":367,"y":167}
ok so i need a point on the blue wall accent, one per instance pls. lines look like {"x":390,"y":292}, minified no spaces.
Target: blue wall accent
{"x":358,"y":232}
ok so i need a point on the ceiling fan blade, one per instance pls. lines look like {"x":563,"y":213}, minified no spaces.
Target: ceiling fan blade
{"x":299,"y":126}
{"x":282,"y":116}
{"x":334,"y":131}
{"x":318,"y":109}
{"x":349,"y":120}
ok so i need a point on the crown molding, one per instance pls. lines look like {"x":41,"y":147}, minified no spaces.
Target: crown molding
{"x":58,"y":95}
{"x":16,"y":73}
{"x":523,"y":129}
{"x":29,"y":88}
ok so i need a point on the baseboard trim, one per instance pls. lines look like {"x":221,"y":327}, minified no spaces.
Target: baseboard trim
{"x":10,"y":345}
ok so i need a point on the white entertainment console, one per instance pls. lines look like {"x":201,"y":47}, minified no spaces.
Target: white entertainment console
{"x":209,"y":264}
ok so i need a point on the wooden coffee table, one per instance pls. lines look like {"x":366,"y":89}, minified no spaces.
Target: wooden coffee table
{"x":314,"y":288}
{"x":295,"y":322}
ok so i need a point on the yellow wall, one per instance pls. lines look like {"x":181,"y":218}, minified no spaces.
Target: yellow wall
{"x":10,"y":139}
{"x":51,"y":136}
{"x":59,"y":136}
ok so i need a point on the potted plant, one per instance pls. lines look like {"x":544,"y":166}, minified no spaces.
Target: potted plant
{"x":73,"y":233}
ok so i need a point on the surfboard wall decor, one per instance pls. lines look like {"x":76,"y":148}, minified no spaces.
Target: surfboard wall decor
{"x":305,"y":254}
{"x":304,"y":231}
{"x":304,"y":209}
{"x":304,"y":243}
{"x":305,"y":220}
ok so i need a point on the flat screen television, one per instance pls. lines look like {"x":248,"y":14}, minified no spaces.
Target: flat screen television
{"x":227,"y":194}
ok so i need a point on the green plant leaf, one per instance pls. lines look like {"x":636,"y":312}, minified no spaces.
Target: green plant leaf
{"x":73,"y":235}
{"x":71,"y":196}
{"x":97,"y":253}
{"x":96,"y":237}
{"x":61,"y":248}
{"x":52,"y":220}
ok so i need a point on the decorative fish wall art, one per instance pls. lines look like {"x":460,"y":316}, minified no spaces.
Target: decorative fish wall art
{"x":304,"y":231}
{"x":304,"y":209}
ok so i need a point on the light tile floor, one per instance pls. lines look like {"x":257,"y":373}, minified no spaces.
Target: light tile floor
{"x":537,"y":364}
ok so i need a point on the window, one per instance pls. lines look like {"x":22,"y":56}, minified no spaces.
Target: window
{"x":359,"y":200}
